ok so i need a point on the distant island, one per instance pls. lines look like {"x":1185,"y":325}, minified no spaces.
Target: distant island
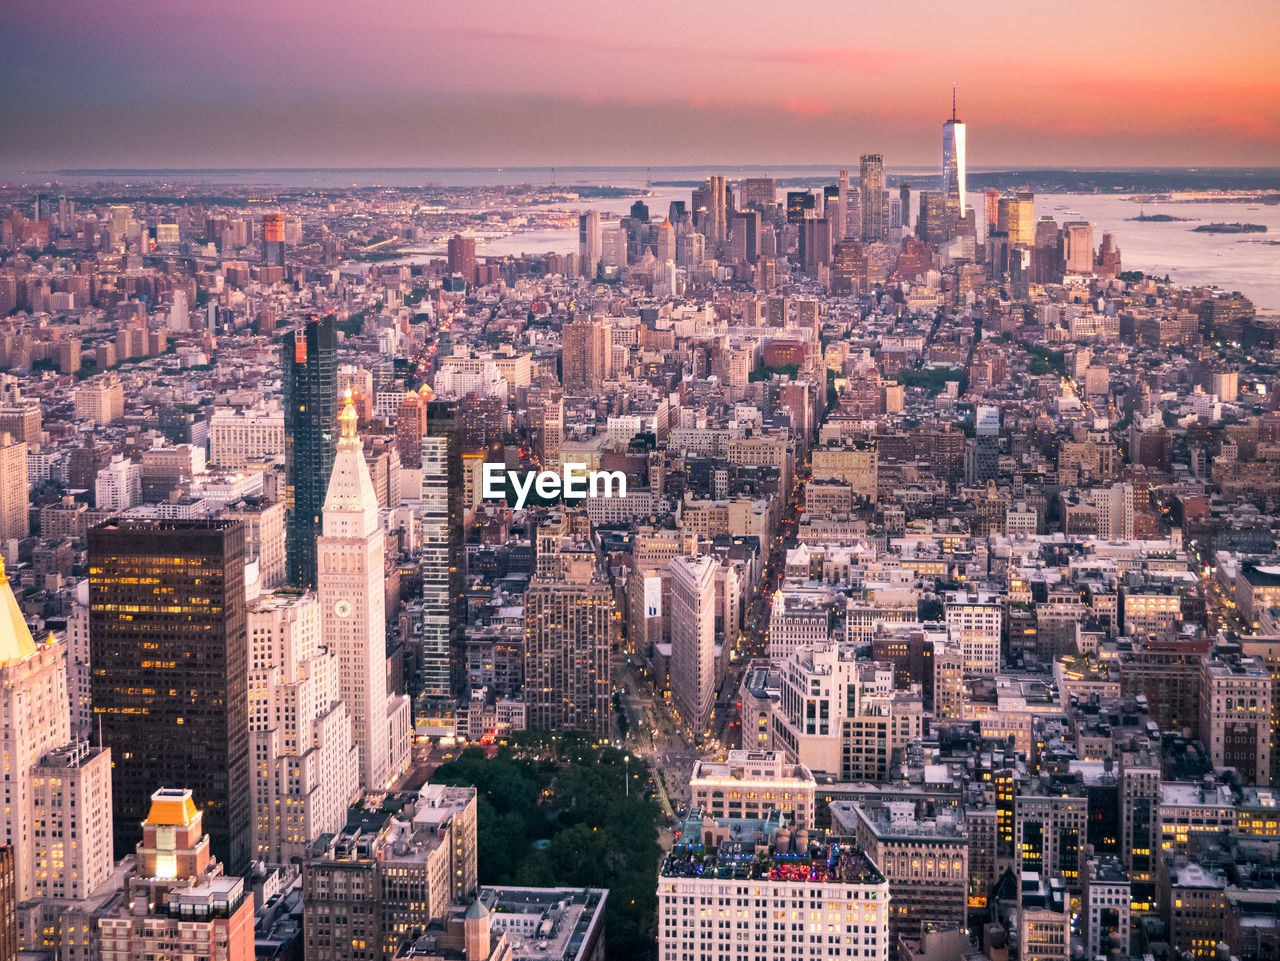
{"x":1236,"y":228}
{"x":1160,"y":219}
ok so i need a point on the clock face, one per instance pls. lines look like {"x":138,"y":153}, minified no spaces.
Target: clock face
{"x":342,"y":608}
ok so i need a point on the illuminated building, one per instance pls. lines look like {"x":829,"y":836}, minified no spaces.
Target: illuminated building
{"x":180,"y":903}
{"x":874,"y":199}
{"x":169,"y":671}
{"x":351,"y":589}
{"x":273,"y":240}
{"x":440,"y":536}
{"x":953,"y":168}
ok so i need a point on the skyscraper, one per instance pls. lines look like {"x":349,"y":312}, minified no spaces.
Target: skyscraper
{"x":170,"y":665}
{"x":441,"y":538}
{"x":874,"y":201}
{"x":953,"y":170}
{"x":306,"y":766}
{"x":273,"y":240}
{"x":693,"y":638}
{"x":840,"y":230}
{"x":717,"y":211}
{"x":589,"y":243}
{"x":567,"y":623}
{"x":308,"y":357}
{"x":409,"y":428}
{"x":352,"y":591}
{"x":462,"y":257}
{"x":586,"y":347}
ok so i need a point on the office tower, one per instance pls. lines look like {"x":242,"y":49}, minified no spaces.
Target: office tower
{"x":874,"y":201}
{"x":305,"y":763}
{"x":840,"y":229}
{"x":545,"y":410}
{"x":744,"y":236}
{"x":843,"y":894}
{"x":691,"y":250}
{"x":180,"y":903}
{"x":308,"y":357}
{"x":36,"y":719}
{"x":169,"y":661}
{"x":101,"y":401}
{"x":931,"y":222}
{"x":717,"y":211}
{"x":14,"y":519}
{"x":589,"y":243}
{"x":462,"y":257}
{"x":409,"y":429}
{"x":442,"y":564}
{"x":1015,"y":216}
{"x":586,"y":349}
{"x":801,"y":206}
{"x":848,"y":267}
{"x":1077,"y":247}
{"x":815,"y":245}
{"x":693,"y":639}
{"x":758,"y":193}
{"x":613,"y":247}
{"x":664,"y":248}
{"x":750,"y":784}
{"x":991,"y":204}
{"x":381,"y":881}
{"x":273,"y":240}
{"x":71,"y":790}
{"x":953,"y":168}
{"x":976,"y":619}
{"x":353,"y":621}
{"x":567,"y":625}
{"x":640,"y":211}
{"x":904,"y":195}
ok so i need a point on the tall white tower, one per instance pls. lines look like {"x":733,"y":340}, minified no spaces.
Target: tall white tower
{"x":351,"y":585}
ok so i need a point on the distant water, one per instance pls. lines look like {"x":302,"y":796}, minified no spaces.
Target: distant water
{"x":1249,"y":263}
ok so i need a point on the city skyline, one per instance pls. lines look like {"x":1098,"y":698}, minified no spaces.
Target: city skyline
{"x":419,"y":86}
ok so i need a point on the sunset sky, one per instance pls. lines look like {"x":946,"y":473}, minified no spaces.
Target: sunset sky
{"x":88,"y":83}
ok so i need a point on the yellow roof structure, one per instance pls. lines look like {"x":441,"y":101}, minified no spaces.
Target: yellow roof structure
{"x":16,"y":642}
{"x":171,"y":808}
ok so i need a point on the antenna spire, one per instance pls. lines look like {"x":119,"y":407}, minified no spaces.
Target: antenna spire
{"x":953,"y":102}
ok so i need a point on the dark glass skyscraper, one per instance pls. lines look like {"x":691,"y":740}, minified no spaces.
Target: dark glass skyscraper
{"x":170,"y":672}
{"x":308,"y":358}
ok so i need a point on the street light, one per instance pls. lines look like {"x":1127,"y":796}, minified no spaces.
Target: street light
{"x":626,"y":758}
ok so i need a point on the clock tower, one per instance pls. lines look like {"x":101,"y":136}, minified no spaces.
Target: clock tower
{"x":351,"y":553}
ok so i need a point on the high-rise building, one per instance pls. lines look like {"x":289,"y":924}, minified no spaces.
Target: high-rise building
{"x":874,"y":201}
{"x":352,"y":591}
{"x":273,"y":240}
{"x":409,"y":430}
{"x":310,"y":374}
{"x":840,"y":215}
{"x":758,"y":193}
{"x":305,"y":763}
{"x":1235,"y":715}
{"x":567,"y":626}
{"x":180,"y":903}
{"x":72,"y":806}
{"x":546,"y":425}
{"x":14,"y":518}
{"x":589,"y":241}
{"x":586,"y":348}
{"x":170,"y":663}
{"x":693,"y":639}
{"x":991,"y":204}
{"x":953,"y":167}
{"x":440,"y":535}
{"x":1077,"y":247}
{"x":36,"y":715}
{"x":717,"y":211}
{"x":462,"y":257}
{"x":1015,"y":216}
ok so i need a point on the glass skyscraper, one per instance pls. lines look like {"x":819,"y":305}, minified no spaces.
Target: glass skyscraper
{"x":308,"y":359}
{"x":953,"y":174}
